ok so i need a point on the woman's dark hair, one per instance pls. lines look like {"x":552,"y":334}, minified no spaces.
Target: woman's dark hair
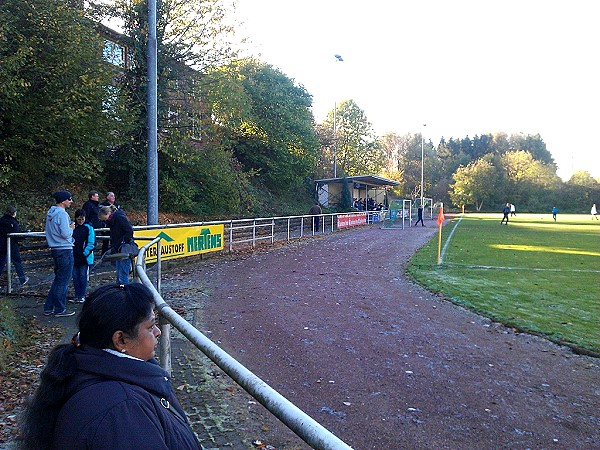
{"x":111,"y":308}
{"x":79,"y":213}
{"x":108,"y":309}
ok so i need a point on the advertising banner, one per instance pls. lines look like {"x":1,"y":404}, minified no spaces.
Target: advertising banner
{"x":351,"y":220}
{"x":183,"y":241}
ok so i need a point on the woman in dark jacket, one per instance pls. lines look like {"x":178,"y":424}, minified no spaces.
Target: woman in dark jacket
{"x":121,"y":232}
{"x":10,"y":224}
{"x":105,"y":390}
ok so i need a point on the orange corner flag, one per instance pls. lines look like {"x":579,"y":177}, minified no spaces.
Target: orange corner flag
{"x":441,"y":218}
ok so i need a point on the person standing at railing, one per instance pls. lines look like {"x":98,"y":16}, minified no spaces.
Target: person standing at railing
{"x":10,"y":224}
{"x":105,"y":390}
{"x":110,"y":199}
{"x":121,"y":232}
{"x":83,"y":254}
{"x":59,"y":234}
{"x":316,"y":211}
{"x":91,"y":208}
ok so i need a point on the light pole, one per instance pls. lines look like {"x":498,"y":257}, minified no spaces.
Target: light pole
{"x":337,"y":58}
{"x":152,"y":104}
{"x":422,"y":165}
{"x":334,"y":140}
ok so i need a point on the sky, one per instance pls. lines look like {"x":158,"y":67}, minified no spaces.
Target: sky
{"x":445,"y":68}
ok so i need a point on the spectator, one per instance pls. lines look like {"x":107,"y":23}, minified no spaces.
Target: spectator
{"x":91,"y":209}
{"x":593,"y":211}
{"x":554,"y":213}
{"x":83,"y":254}
{"x":59,"y":234}
{"x":104,"y":389}
{"x":513,"y":210}
{"x":121,"y":232}
{"x":10,"y":224}
{"x":109,"y":200}
{"x":316,"y":212}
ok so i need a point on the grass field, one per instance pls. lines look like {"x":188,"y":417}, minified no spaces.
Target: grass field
{"x":535,"y":274}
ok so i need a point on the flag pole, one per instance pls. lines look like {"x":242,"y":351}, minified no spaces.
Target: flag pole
{"x":440,"y":221}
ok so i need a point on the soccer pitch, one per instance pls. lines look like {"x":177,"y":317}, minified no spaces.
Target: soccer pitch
{"x":534,"y":274}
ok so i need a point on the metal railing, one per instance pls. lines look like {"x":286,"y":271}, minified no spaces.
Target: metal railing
{"x":239,"y":233}
{"x":309,"y":430}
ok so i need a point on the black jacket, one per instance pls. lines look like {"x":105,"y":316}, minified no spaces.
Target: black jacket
{"x":8,"y":224}
{"x":120,"y":230}
{"x":92,"y":208}
{"x":115,"y":403}
{"x":83,"y":245}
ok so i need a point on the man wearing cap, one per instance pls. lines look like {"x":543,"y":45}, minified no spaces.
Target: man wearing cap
{"x":59,"y":234}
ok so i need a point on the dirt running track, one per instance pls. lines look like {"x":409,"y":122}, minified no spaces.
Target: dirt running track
{"x":333,"y":325}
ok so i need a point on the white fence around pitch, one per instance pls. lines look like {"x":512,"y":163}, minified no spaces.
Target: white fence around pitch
{"x":239,"y":234}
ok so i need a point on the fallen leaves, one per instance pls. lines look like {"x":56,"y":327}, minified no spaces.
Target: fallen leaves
{"x":19,"y":377}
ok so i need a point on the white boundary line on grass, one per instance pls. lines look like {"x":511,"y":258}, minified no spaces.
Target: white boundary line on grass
{"x":475,"y":266}
{"x":448,"y":240}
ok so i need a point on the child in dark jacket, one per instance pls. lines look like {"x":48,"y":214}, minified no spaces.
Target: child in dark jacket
{"x":83,"y":255}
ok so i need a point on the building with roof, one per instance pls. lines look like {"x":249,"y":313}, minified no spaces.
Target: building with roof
{"x":370,"y":188}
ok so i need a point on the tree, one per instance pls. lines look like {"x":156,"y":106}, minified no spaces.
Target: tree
{"x":346,"y":200}
{"x":193,"y":36}
{"x":275,"y":135}
{"x":583,"y":178}
{"x":394,"y":148}
{"x":53,"y":83}
{"x":358,"y":151}
{"x":534,"y":145}
{"x":474,"y":184}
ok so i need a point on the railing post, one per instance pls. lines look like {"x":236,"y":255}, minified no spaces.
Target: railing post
{"x":158,"y":266}
{"x":8,"y":264}
{"x":254,"y":234}
{"x":230,"y":236}
{"x":165,"y":344}
{"x":272,"y":231}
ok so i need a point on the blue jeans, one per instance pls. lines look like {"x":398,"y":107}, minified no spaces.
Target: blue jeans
{"x":80,"y":280}
{"x":16,"y":260}
{"x":123,"y":267}
{"x":63,"y":269}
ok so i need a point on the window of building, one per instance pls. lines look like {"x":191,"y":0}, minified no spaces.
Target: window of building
{"x":114,"y":53}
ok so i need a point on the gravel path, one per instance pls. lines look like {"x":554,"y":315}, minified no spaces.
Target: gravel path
{"x":333,"y":324}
